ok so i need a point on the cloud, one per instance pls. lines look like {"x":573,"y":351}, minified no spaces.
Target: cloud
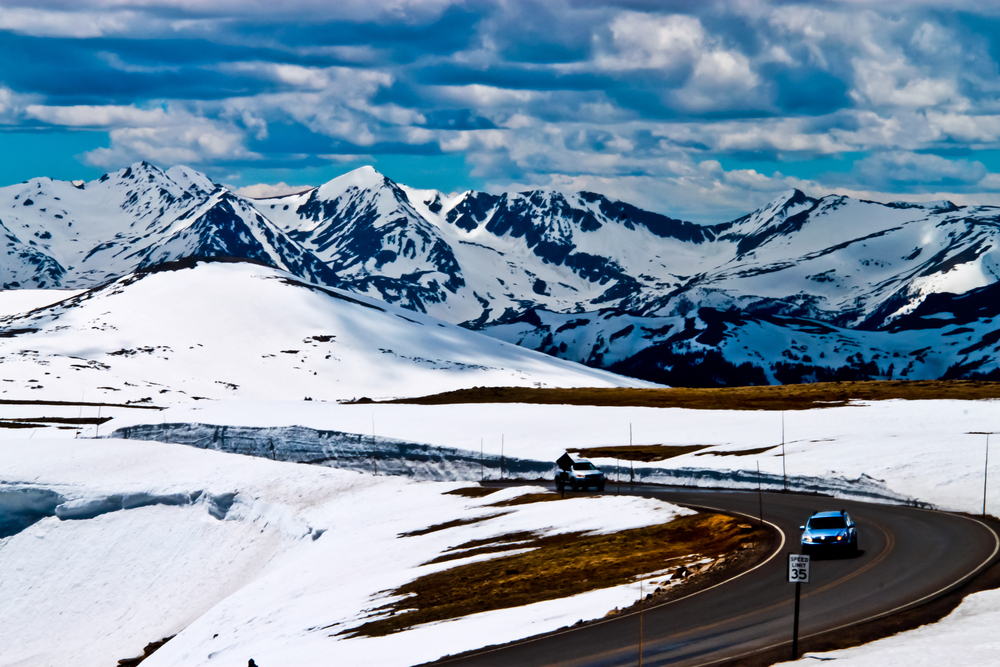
{"x":94,"y":116}
{"x":170,"y":137}
{"x":622,"y":95}
{"x":887,"y":169}
{"x":266,"y":190}
{"x":74,"y":24}
{"x":12,"y":105}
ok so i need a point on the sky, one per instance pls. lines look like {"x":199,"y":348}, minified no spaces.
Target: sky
{"x":697,"y":109}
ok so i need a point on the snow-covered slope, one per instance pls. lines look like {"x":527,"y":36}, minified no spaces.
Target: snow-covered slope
{"x":578,"y":276}
{"x":191,"y":330}
{"x":248,"y":558}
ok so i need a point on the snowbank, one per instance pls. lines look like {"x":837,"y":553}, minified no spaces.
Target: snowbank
{"x":244,"y":557}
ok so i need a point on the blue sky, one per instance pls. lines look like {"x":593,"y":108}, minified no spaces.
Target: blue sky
{"x":698,"y":109}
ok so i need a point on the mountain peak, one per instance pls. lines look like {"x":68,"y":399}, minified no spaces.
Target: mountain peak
{"x":362,"y":178}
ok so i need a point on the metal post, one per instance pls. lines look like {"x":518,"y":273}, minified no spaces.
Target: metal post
{"x":784,"y":475}
{"x":631,"y":465}
{"x":501,"y":457}
{"x":760,"y":496}
{"x":641,"y":604}
{"x":795,"y":627}
{"x":986,"y":472}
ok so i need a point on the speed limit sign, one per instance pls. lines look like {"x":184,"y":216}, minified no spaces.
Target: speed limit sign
{"x":798,"y":569}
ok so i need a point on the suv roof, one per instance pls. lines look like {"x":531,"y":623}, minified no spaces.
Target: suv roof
{"x":831,"y":513}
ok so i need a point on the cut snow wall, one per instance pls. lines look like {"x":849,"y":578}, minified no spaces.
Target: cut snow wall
{"x":355,"y":451}
{"x":338,"y":449}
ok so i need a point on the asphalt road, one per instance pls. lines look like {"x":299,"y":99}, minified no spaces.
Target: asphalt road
{"x":908,"y":555}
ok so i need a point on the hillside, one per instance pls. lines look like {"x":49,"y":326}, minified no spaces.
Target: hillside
{"x":193,"y":330}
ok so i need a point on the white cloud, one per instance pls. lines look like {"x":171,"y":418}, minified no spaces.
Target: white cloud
{"x":75,"y":24}
{"x":721,"y":80}
{"x":12,"y":104}
{"x":643,"y":41}
{"x":265,"y":190}
{"x":189,"y":140}
{"x":96,"y":116}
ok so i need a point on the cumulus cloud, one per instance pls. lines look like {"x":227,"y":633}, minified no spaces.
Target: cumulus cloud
{"x":12,"y":105}
{"x":180,"y":138}
{"x":619,"y":97}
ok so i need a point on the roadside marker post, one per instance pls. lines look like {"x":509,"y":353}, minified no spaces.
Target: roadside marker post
{"x":798,"y":574}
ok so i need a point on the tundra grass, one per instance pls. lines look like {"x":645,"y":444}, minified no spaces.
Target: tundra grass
{"x":557,"y":567}
{"x":780,"y":397}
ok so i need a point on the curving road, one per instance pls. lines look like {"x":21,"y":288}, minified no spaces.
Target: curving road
{"x":908,"y":555}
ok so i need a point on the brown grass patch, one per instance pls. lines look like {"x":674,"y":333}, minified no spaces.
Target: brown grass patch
{"x":472,"y":491}
{"x":508,"y":542}
{"x":449,"y":524}
{"x":781,"y":397}
{"x":558,"y":566}
{"x":528,"y":498}
{"x":644,"y":453}
{"x":738,"y":452}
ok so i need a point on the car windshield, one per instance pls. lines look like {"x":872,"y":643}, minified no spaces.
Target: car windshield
{"x":827,"y":522}
{"x":586,"y":465}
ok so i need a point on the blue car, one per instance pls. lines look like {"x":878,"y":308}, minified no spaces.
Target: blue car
{"x":830,"y":532}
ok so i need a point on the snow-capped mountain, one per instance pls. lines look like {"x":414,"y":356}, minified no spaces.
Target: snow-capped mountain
{"x":193,"y":329}
{"x":75,"y":234}
{"x":578,"y":276}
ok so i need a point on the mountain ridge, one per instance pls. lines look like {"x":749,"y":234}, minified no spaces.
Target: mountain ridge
{"x":577,"y":275}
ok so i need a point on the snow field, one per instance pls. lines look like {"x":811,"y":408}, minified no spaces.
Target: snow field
{"x":301,"y":554}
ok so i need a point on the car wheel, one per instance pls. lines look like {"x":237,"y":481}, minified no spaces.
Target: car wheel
{"x":574,"y":485}
{"x":600,"y":486}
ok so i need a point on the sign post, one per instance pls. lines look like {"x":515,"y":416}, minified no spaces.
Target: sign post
{"x":798,"y":574}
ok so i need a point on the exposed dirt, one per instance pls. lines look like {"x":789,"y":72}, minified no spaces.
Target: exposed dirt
{"x":781,"y":397}
{"x":448,"y":524}
{"x":75,"y":404}
{"x":146,"y":652}
{"x":564,"y":565}
{"x":472,"y":491}
{"x":644,"y":453}
{"x":528,"y":498}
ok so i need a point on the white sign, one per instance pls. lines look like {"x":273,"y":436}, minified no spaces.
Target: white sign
{"x":798,"y":569}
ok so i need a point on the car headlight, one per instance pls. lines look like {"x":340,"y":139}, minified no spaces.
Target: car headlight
{"x":807,"y":538}
{"x":840,"y":537}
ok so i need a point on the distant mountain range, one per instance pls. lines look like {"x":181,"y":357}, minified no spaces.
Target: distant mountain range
{"x":800,"y":290}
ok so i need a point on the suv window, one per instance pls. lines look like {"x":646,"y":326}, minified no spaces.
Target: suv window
{"x":584,"y":466}
{"x":827,"y":522}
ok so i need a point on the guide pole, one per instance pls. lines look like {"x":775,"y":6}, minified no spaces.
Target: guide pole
{"x":482,"y":470}
{"x":760,"y":496}
{"x":784,"y":474}
{"x":986,"y":472}
{"x":795,"y":626}
{"x":641,"y":602}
